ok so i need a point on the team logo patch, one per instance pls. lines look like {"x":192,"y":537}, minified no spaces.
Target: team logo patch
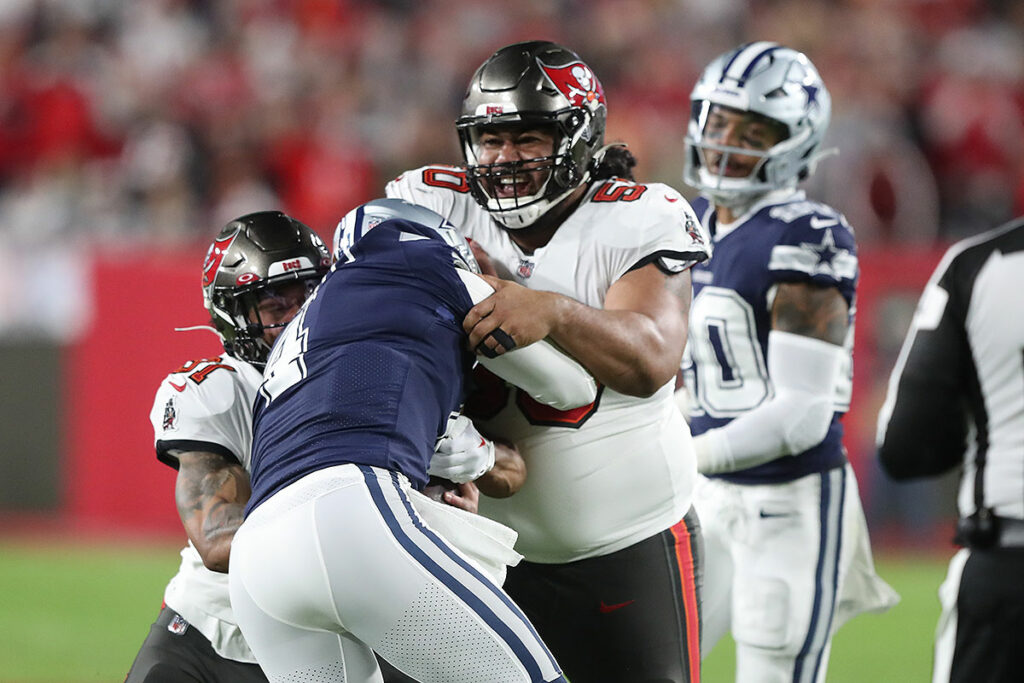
{"x":178,"y":626}
{"x":170,"y":414}
{"x":693,"y":232}
{"x":577,"y":82}
{"x":525,"y":269}
{"x":215,"y":256}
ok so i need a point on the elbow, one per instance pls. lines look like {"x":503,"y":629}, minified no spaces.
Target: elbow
{"x":216,"y":562}
{"x":642,"y":381}
{"x":900,"y":463}
{"x":811,"y":427}
{"x":215,"y":554}
{"x":573,"y":395}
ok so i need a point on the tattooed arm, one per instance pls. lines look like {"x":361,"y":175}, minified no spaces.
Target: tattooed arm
{"x":810,"y":311}
{"x":633,"y":344}
{"x":211,"y":492}
{"x":805,"y":354}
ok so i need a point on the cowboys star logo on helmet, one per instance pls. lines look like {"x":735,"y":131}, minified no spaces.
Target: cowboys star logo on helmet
{"x":766,"y":82}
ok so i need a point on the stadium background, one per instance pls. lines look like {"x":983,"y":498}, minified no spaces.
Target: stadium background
{"x":130,"y":131}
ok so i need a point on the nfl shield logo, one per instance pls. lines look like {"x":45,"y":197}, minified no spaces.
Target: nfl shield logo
{"x":178,"y":626}
{"x":525,"y":268}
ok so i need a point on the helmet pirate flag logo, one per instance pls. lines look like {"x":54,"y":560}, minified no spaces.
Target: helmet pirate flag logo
{"x":577,"y":83}
{"x":214,"y":257}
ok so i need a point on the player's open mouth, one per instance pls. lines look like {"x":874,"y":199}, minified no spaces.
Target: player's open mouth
{"x":517,"y":185}
{"x":731,"y":170}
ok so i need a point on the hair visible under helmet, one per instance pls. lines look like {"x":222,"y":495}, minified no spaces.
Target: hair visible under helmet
{"x":362,"y":219}
{"x":535,"y":84}
{"x":251,"y":256}
{"x":772,"y":81}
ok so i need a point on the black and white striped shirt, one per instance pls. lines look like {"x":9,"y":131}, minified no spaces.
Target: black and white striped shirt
{"x":956,"y":394}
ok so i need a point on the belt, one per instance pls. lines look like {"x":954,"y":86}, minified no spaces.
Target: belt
{"x":1010,"y":532}
{"x":984,"y":531}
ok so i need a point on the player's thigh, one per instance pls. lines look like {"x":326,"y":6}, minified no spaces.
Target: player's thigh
{"x":633,"y":614}
{"x":182,"y":654}
{"x":786,"y":564}
{"x":990,"y":628}
{"x":291,"y":654}
{"x":408,"y":593}
{"x":177,"y":652}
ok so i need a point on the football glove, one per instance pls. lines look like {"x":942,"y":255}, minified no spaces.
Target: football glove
{"x":461,"y":455}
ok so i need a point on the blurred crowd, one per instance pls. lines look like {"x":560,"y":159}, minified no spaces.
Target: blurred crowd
{"x":154,"y":121}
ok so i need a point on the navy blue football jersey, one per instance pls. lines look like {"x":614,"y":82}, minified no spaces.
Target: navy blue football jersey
{"x":788,"y":239}
{"x":372,"y":366}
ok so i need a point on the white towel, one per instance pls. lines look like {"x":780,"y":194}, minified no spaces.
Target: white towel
{"x":487,"y":543}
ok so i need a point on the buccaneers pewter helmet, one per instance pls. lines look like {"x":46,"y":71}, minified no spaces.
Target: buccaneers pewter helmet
{"x":535,"y":84}
{"x":362,"y":219}
{"x":250,"y":257}
{"x":771,"y":81}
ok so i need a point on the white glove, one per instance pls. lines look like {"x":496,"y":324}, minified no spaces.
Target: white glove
{"x":461,"y":455}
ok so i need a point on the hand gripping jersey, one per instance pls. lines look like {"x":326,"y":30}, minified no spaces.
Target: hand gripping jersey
{"x":206,"y":405}
{"x":782,"y":238}
{"x":579,"y":462}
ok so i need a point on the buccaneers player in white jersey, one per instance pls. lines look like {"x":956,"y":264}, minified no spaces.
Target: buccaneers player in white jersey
{"x":599,"y":265}
{"x":257,"y":274}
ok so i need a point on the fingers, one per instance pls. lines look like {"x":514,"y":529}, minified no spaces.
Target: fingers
{"x":496,"y":343}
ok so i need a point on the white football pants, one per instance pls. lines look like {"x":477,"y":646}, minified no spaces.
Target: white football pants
{"x":785,"y":565}
{"x":339,"y":563}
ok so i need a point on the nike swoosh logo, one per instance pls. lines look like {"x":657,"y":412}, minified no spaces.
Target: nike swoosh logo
{"x":823,"y":222}
{"x":176,"y":387}
{"x":770,"y":515}
{"x":605,"y":609}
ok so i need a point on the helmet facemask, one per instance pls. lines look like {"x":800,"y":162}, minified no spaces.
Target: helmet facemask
{"x":535,"y":85}
{"x":519,"y":192}
{"x":770,"y":84}
{"x":267,"y":260}
{"x":250,"y":312}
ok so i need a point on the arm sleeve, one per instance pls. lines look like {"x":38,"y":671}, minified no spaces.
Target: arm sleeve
{"x":922,"y":426}
{"x":542,"y":370}
{"x":795,"y":418}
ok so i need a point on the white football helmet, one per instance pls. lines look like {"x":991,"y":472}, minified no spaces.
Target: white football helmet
{"x":774,"y":82}
{"x":364,"y":218}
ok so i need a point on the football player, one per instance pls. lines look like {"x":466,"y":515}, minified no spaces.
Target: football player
{"x":339,"y":552}
{"x":768,"y":371}
{"x":598,"y":264}
{"x":955,"y":402}
{"x":257,"y":274}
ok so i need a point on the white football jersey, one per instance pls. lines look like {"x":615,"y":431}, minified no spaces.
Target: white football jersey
{"x":605,"y":476}
{"x":206,"y":405}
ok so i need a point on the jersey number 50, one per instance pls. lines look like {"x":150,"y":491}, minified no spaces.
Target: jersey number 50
{"x":723,"y":365}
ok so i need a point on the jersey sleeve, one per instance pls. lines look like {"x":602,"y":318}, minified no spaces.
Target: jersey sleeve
{"x":212,"y":414}
{"x":646,"y":224}
{"x":816,"y":246}
{"x":442,"y":189}
{"x":542,"y":370}
{"x":923,"y":424}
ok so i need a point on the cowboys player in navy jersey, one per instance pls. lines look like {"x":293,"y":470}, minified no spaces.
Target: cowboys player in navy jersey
{"x":956,"y":398}
{"x":256,"y":275}
{"x":768,"y":371}
{"x":339,"y":552}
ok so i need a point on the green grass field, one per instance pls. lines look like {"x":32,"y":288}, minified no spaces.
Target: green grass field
{"x":73,"y":612}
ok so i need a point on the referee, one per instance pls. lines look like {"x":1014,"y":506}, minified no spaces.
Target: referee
{"x":956,"y":397}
